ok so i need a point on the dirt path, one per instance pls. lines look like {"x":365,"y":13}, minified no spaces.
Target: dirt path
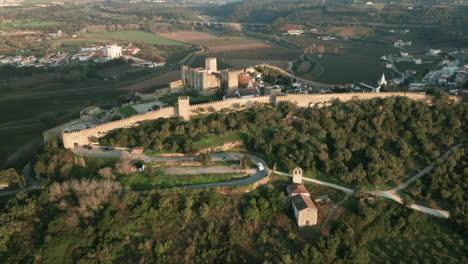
{"x":392,"y":194}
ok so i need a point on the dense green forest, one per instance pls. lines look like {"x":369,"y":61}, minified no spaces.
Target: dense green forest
{"x":360,"y":143}
{"x":448,"y":184}
{"x":97,"y":221}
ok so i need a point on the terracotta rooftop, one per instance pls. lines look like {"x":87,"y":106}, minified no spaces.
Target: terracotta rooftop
{"x":248,"y":91}
{"x":302,"y":202}
{"x":296,"y":189}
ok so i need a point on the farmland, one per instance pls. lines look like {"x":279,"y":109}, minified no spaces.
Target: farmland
{"x":132,"y":36}
{"x":217,"y":44}
{"x":277,"y":56}
{"x":37,"y":102}
{"x":188,"y":36}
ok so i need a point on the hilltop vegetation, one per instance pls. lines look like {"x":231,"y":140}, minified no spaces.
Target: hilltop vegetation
{"x":363,"y":143}
{"x":446,"y":185}
{"x":85,"y":215}
{"x":92,"y":221}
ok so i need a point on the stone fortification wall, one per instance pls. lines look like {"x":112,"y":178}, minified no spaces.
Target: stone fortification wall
{"x":234,"y":104}
{"x":185,"y":110}
{"x":82,"y":137}
{"x":307,"y":100}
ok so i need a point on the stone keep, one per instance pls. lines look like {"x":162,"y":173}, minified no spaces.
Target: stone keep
{"x":297,"y":176}
{"x":211,"y":64}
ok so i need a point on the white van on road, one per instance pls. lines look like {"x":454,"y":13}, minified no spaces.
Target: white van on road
{"x":260,"y":167}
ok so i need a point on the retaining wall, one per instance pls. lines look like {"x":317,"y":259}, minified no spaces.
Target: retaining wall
{"x":185,"y":110}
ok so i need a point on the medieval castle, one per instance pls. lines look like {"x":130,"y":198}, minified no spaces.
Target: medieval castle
{"x":210,"y":80}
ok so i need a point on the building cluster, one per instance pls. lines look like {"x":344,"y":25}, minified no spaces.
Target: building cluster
{"x":10,"y":2}
{"x":404,"y":31}
{"x":96,"y":53}
{"x":451,"y":73}
{"x":326,"y":37}
{"x":401,"y":43}
{"x":53,"y":59}
{"x":295,"y":32}
{"x":209,"y":80}
{"x":305,"y":211}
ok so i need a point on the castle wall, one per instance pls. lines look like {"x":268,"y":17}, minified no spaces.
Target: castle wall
{"x":82,"y":137}
{"x":185,"y":110}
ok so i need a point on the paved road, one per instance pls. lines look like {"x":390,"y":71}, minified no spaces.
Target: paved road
{"x":256,"y":176}
{"x":206,"y":170}
{"x":99,"y":151}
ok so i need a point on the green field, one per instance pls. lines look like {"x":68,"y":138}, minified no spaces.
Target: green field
{"x":33,"y":104}
{"x":132,"y":35}
{"x":28,"y":24}
{"x":356,"y":62}
{"x":140,"y":181}
{"x":216,"y":140}
{"x":307,"y":67}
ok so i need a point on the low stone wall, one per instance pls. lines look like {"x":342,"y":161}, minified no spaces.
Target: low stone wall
{"x":185,"y":110}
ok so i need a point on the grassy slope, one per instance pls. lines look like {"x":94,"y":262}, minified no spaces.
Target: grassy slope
{"x":140,"y":181}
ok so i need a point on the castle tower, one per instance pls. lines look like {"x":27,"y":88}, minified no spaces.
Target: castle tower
{"x":211,"y":64}
{"x":297,"y":176}
{"x":183,"y":72}
{"x":183,"y":107}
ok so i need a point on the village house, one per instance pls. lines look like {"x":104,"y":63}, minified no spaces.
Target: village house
{"x":401,"y":43}
{"x":295,"y":32}
{"x":434,"y":52}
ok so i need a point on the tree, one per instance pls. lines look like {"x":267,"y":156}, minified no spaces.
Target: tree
{"x":11,"y":179}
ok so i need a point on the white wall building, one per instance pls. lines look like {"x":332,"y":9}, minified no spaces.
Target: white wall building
{"x":113,"y":51}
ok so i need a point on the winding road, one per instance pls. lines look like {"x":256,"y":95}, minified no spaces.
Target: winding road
{"x":255,"y":175}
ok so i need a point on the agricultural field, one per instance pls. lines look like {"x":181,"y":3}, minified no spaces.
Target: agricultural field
{"x":188,"y":36}
{"x":352,"y":32}
{"x":226,"y":44}
{"x":130,"y":36}
{"x":343,"y":61}
{"x":34,"y":103}
{"x":27,"y":24}
{"x":240,"y":59}
{"x":216,"y":44}
{"x":307,"y":67}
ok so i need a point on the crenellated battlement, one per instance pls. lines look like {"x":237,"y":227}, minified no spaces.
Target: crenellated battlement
{"x":185,"y":110}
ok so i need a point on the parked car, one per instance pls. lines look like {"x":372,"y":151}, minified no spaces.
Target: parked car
{"x":109,"y":149}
